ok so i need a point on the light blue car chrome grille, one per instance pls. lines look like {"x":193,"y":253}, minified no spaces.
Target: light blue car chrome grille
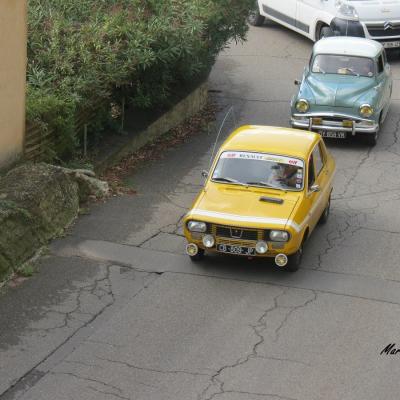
{"x":333,"y":122}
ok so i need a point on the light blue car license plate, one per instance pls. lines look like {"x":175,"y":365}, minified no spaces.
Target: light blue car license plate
{"x":332,"y":134}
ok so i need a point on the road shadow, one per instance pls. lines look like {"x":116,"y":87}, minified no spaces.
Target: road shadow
{"x":354,"y":143}
{"x":256,"y":269}
{"x":290,"y":34}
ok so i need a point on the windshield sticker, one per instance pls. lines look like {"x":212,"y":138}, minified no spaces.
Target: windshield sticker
{"x":263,"y":157}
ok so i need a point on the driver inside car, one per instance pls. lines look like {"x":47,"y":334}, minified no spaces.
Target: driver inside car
{"x":284,"y":174}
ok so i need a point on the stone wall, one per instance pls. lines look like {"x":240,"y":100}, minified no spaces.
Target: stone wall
{"x":186,"y":108}
{"x":37,"y":201}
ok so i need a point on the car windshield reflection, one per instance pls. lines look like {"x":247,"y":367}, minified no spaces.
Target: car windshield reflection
{"x":259,"y":169}
{"x":343,"y":65}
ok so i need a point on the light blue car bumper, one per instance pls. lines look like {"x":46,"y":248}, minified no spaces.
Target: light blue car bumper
{"x":336,"y":122}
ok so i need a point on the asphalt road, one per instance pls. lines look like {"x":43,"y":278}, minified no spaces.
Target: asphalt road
{"x":119,"y":312}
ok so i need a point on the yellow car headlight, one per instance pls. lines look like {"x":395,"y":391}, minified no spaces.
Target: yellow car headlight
{"x":208,"y":241}
{"x":366,"y":110}
{"x":302,"y":105}
{"x":261,"y":247}
{"x":197,"y":226}
{"x":279,"y":236}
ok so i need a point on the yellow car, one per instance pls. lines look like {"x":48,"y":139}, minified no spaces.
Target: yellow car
{"x":267,"y":190}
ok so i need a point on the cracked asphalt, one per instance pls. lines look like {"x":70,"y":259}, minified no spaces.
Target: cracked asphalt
{"x":118,"y":311}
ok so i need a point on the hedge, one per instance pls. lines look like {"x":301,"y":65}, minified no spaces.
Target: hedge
{"x":81,"y":52}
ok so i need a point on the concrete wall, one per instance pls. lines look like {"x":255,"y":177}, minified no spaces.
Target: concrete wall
{"x":12,"y":79}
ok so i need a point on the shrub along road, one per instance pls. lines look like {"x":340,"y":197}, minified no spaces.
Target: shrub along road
{"x":119,"y":312}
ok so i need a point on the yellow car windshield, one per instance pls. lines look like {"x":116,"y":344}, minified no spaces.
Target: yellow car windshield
{"x":259,"y":169}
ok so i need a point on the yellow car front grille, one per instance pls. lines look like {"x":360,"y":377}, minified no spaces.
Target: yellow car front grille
{"x":236,"y":233}
{"x":236,"y":242}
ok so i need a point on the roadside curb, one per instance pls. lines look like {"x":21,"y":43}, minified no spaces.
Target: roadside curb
{"x":183,"y":110}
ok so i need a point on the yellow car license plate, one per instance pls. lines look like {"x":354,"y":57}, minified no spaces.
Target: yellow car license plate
{"x":239,"y":250}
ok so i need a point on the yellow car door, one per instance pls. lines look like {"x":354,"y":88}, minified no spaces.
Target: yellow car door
{"x":320,"y":187}
{"x":316,"y":192}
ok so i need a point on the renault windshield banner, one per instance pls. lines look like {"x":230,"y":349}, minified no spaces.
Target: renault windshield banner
{"x":263,"y":157}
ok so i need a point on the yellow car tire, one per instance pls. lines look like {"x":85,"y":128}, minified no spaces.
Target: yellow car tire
{"x":198,"y":257}
{"x":325,"y":215}
{"x":294,"y":260}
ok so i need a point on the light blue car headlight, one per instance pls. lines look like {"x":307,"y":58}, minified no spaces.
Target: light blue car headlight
{"x":302,"y":105}
{"x":366,"y":110}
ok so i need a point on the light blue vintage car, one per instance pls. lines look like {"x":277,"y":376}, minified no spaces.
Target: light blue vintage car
{"x":345,"y":90}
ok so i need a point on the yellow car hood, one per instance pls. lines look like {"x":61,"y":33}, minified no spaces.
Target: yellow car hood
{"x":244,"y":206}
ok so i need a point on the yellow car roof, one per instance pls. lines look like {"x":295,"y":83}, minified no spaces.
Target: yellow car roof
{"x":271,"y":139}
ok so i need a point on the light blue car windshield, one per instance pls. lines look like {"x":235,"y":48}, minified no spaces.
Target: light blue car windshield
{"x":343,"y":65}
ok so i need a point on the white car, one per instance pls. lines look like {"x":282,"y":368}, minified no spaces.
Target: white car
{"x":373,"y":19}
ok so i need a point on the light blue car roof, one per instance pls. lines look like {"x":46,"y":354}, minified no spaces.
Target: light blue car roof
{"x":350,"y":46}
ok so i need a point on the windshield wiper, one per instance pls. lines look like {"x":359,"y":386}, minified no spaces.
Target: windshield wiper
{"x":269,"y":185}
{"x":351,"y":70}
{"x":227,"y":180}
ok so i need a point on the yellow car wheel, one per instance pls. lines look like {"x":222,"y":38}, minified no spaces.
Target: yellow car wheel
{"x":325,"y":215}
{"x":198,"y":257}
{"x":294,"y":260}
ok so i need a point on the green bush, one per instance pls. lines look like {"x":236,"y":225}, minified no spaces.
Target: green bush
{"x":81,"y":52}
